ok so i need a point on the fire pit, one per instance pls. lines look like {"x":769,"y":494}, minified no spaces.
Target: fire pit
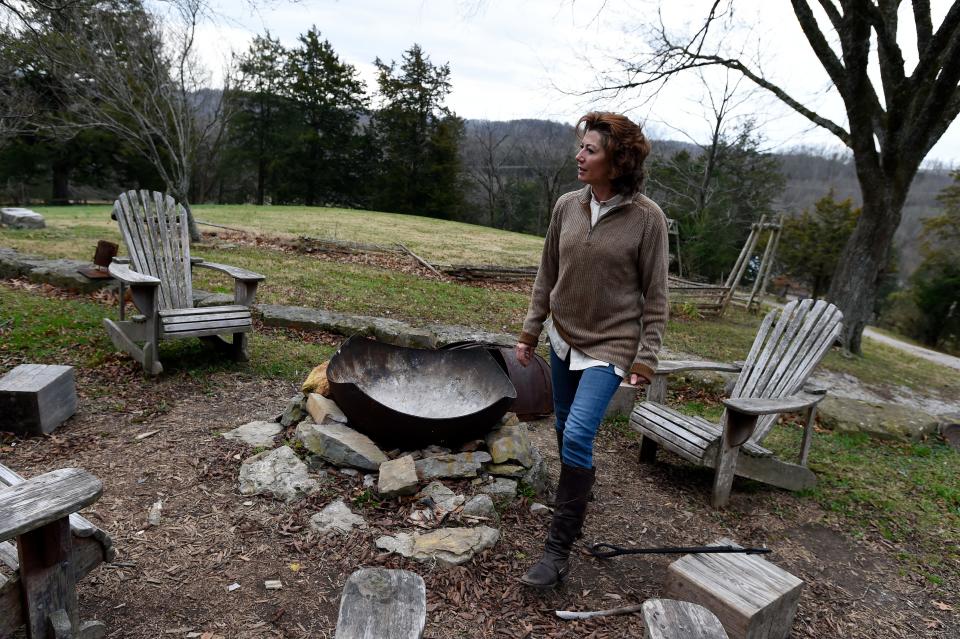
{"x":411,"y":397}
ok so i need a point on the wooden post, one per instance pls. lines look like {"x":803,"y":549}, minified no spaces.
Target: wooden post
{"x":778,"y":230}
{"x":761,"y":272}
{"x":737,"y":274}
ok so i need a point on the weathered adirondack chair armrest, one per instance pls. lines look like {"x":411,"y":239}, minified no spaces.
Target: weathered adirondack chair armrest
{"x":127,"y":275}
{"x":756,"y":406}
{"x":44,"y":499}
{"x":657,"y":390}
{"x":681,"y":366}
{"x":236,"y":273}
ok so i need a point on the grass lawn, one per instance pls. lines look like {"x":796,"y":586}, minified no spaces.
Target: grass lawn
{"x":908,"y":494}
{"x":438,"y":241}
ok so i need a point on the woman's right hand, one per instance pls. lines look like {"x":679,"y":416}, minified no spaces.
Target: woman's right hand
{"x":524,"y":353}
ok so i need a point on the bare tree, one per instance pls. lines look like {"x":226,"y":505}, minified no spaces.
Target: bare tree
{"x":550,"y":158}
{"x":143,"y":82}
{"x":889,"y":130}
{"x":486,"y":157}
{"x":134,"y":73}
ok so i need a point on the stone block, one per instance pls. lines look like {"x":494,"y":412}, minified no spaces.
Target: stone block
{"x":622,"y":402}
{"x":397,"y":477}
{"x":22,"y":218}
{"x":36,"y":398}
{"x":324,"y":410}
{"x":753,"y":598}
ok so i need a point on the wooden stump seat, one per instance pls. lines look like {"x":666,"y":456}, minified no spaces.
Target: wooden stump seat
{"x":382,"y":603}
{"x":752,"y":597}
{"x":672,"y":619}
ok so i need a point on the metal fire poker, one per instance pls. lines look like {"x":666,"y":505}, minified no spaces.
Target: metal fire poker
{"x":606,"y":551}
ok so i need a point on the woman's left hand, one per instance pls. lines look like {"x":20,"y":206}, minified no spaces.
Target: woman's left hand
{"x":636,"y":380}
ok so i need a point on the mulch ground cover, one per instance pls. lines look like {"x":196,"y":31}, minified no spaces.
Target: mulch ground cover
{"x":158,"y":440}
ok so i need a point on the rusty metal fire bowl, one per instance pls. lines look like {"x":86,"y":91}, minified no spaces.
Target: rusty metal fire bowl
{"x":409,"y":397}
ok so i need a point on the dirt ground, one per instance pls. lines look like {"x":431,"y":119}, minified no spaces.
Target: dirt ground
{"x":171,"y":580}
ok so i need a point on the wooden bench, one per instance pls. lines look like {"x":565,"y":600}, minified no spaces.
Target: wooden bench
{"x":55,"y":548}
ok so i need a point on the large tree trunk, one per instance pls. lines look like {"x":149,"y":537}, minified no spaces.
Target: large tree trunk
{"x":866,"y":255}
{"x":61,"y":182}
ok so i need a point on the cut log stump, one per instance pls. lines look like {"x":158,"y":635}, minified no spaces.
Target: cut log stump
{"x":671,"y":619}
{"x":36,"y":398}
{"x":387,"y":604}
{"x":753,"y":598}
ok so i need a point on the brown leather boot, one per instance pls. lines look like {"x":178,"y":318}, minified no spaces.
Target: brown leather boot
{"x":568,"y":515}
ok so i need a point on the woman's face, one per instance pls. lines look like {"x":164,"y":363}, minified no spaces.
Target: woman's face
{"x":593,"y":166}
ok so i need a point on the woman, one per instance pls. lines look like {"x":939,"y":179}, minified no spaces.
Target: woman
{"x":603,"y":282}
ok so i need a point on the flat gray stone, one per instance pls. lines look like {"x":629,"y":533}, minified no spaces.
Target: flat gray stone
{"x":295,"y":411}
{"x":277,"y":472}
{"x":451,"y":466}
{"x":16,"y":264}
{"x":212,"y":299}
{"x":19,"y":218}
{"x":536,"y":476}
{"x":447,"y":546}
{"x":336,"y":517}
{"x":510,"y":442}
{"x":324,"y":410}
{"x":385,"y":329}
{"x":540,"y":509}
{"x":481,"y":506}
{"x":500,"y":489}
{"x":64,"y":274}
{"x":398,"y":477}
{"x":450,"y":334}
{"x":400,"y":333}
{"x":340,"y":445}
{"x":877,"y":419}
{"x":514,"y":471}
{"x":257,"y":434}
{"x":443,"y":498}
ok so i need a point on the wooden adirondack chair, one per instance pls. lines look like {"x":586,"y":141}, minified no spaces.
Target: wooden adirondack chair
{"x":158,"y":272}
{"x":788,"y":346}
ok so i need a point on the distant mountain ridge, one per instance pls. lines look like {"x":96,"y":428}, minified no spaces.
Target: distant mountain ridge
{"x":810,"y":174}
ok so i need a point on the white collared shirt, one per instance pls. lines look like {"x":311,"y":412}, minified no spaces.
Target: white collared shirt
{"x":579,"y":360}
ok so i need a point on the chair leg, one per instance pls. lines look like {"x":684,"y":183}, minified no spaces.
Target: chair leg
{"x":151,"y":364}
{"x":240,"y":343}
{"x":146,"y":356}
{"x":648,"y":450}
{"x":724,"y":472}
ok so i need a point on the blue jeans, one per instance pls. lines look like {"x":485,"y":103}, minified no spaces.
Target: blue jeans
{"x":580,"y":400}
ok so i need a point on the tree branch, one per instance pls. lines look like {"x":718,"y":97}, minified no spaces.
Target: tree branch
{"x":921,"y":16}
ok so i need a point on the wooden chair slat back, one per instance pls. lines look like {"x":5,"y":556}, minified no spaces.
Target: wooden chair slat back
{"x":789,"y":345}
{"x":154,"y":228}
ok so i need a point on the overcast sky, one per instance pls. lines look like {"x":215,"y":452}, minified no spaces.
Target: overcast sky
{"x":528,"y":58}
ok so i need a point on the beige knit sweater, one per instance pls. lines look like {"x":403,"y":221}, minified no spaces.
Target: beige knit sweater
{"x":606,"y":287}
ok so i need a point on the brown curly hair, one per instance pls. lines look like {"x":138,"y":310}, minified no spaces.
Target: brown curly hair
{"x":625,"y":144}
